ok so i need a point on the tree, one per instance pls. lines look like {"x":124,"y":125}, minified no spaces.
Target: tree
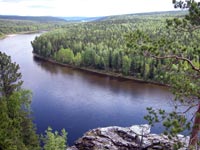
{"x":126,"y":65}
{"x":88,"y":57}
{"x":10,"y":78}
{"x":78,"y":59}
{"x":105,"y":55}
{"x":115,"y":58}
{"x":16,"y":128}
{"x":54,"y":141}
{"x":184,"y":4}
{"x":180,"y":50}
{"x":65,"y":56}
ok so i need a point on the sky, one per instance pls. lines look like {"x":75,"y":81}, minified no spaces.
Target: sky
{"x":86,"y":8}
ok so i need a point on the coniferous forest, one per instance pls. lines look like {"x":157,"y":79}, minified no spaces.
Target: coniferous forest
{"x":104,"y":45}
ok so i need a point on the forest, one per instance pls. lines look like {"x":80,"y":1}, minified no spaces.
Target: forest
{"x":103,"y":44}
{"x":18,"y":24}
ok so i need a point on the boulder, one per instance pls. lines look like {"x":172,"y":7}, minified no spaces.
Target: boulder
{"x":137,"y":137}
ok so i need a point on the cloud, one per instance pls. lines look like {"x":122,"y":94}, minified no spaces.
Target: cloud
{"x":81,"y":7}
{"x":10,"y":1}
{"x":40,"y":7}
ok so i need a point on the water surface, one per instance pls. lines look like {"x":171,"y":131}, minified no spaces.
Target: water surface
{"x":79,"y":101}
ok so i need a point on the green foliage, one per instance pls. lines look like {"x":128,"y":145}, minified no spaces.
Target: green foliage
{"x":174,"y":122}
{"x":88,"y":57}
{"x":17,"y":131}
{"x":78,"y":59}
{"x":102,"y":44}
{"x":9,"y":75}
{"x":126,"y":65}
{"x":54,"y":141}
{"x":65,"y":56}
{"x":194,"y":12}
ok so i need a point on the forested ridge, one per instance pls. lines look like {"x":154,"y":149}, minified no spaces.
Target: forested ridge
{"x":102,"y":44}
{"x":33,"y":18}
{"x":19,"y":24}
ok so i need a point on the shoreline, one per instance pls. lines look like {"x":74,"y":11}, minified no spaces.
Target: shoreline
{"x":18,"y":33}
{"x":99,"y":72}
{"x":11,"y":35}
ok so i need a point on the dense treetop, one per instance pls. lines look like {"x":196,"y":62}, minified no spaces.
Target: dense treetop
{"x":102,"y":44}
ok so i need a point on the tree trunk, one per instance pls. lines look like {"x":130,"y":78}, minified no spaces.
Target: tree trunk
{"x":195,"y":130}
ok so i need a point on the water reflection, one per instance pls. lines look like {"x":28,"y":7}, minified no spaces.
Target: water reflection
{"x":105,"y":82}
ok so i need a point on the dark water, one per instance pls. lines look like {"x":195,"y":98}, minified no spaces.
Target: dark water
{"x":77,"y":100}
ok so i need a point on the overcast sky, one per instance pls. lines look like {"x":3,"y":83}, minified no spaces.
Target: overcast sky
{"x":81,"y":7}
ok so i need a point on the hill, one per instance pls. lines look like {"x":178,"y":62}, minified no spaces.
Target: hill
{"x":124,"y":17}
{"x":82,"y":19}
{"x":149,"y":15}
{"x":33,"y":18}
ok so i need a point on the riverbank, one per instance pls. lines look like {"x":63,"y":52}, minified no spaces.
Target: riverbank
{"x":14,"y":34}
{"x":100,"y":72}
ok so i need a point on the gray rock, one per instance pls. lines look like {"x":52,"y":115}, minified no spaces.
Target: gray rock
{"x":141,"y":129}
{"x":137,"y":137}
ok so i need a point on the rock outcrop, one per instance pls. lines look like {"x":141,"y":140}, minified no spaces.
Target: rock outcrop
{"x":137,"y":137}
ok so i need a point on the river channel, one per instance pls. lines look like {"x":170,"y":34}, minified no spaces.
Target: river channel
{"x":78,"y":100}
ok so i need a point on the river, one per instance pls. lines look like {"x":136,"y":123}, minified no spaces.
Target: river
{"x":77,"y":100}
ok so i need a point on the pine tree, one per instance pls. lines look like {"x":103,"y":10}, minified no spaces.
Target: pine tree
{"x":16,"y":128}
{"x":10,"y":77}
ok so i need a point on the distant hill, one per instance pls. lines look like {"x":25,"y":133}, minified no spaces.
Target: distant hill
{"x":33,"y":18}
{"x":125,"y":16}
{"x":82,"y":19}
{"x":120,"y":18}
{"x":51,"y":19}
{"x":175,"y":12}
{"x":152,"y":15}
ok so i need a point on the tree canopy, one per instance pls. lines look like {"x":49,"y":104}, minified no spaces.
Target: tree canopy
{"x":102,"y":45}
{"x":17,"y":131}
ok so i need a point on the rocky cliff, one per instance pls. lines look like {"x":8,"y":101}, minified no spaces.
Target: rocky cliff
{"x":137,"y":137}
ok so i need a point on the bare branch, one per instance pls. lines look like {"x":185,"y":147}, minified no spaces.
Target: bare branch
{"x":174,"y":57}
{"x":194,"y":28}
